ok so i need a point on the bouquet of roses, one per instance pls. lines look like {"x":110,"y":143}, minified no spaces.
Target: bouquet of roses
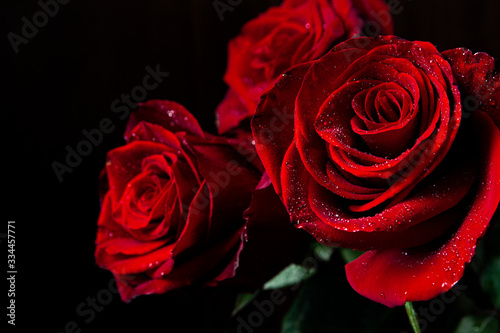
{"x":334,"y":127}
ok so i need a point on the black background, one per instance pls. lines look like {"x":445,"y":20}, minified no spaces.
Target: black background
{"x":64,"y":80}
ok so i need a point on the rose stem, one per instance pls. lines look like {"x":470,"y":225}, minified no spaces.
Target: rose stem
{"x":412,"y":316}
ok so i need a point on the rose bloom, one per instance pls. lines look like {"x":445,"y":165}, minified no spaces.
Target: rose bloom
{"x":391,"y":147}
{"x":172,"y":204}
{"x":293,"y":33}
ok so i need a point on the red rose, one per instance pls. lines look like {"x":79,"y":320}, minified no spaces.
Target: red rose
{"x":370,"y":148}
{"x":172,"y":213}
{"x":284,"y":36}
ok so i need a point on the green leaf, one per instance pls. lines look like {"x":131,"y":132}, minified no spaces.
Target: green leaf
{"x":291,"y":275}
{"x":349,"y":255}
{"x":242,"y":300}
{"x":490,"y":281}
{"x":326,"y":303}
{"x":476,"y":324}
{"x":322,"y":252}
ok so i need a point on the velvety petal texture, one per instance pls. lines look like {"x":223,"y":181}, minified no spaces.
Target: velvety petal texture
{"x":172,"y":208}
{"x":394,"y":276}
{"x":295,"y":32}
{"x":478,"y":79}
{"x":370,"y":148}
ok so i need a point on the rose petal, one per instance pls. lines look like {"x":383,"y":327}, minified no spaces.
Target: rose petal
{"x":184,"y":273}
{"x":137,"y":264}
{"x":230,"y":178}
{"x":129,"y":246}
{"x":198,"y":224}
{"x":478,"y":79}
{"x":393,"y":277}
{"x":124,"y":163}
{"x":272,"y":125}
{"x":296,"y":199}
{"x":170,"y":115}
